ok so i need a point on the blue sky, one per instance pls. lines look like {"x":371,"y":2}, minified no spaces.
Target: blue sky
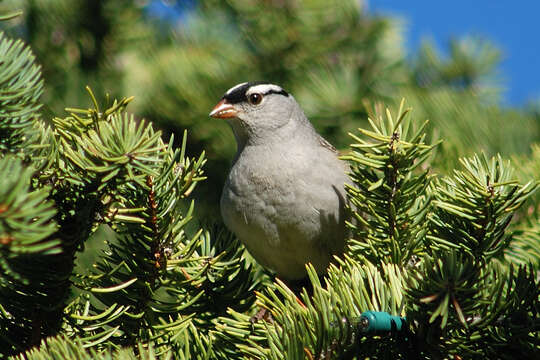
{"x":512,"y":26}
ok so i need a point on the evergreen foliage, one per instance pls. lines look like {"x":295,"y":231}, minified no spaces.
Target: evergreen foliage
{"x":60,"y":348}
{"x":20,"y":88}
{"x":448,"y":242}
{"x":390,"y":198}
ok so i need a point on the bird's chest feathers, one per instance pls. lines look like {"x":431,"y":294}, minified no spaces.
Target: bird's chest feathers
{"x":260,"y":203}
{"x":266,"y":175}
{"x":259,"y":189}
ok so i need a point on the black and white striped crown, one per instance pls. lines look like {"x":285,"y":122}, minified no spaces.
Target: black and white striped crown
{"x":240,"y":92}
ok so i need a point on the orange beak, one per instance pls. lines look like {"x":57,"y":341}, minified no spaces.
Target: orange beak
{"x":223,"y":110}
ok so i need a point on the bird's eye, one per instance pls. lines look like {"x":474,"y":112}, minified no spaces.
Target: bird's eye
{"x":255,"y":99}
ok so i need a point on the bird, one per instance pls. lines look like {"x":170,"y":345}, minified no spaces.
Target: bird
{"x":284,"y":197}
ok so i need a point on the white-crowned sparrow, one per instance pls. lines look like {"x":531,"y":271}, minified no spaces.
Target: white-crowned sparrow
{"x":284,"y":197}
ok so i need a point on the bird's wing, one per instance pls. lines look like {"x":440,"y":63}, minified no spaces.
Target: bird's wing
{"x":327,"y":145}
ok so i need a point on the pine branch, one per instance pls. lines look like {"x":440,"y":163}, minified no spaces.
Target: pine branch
{"x":28,"y":248}
{"x":21,"y":86}
{"x":61,"y":348}
{"x":390,"y":204}
{"x":140,"y":181}
{"x":473,"y":209}
{"x":321,"y":325}
{"x":523,"y":249}
{"x":457,"y":295}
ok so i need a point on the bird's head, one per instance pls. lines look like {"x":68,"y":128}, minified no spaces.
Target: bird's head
{"x":257,"y":110}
